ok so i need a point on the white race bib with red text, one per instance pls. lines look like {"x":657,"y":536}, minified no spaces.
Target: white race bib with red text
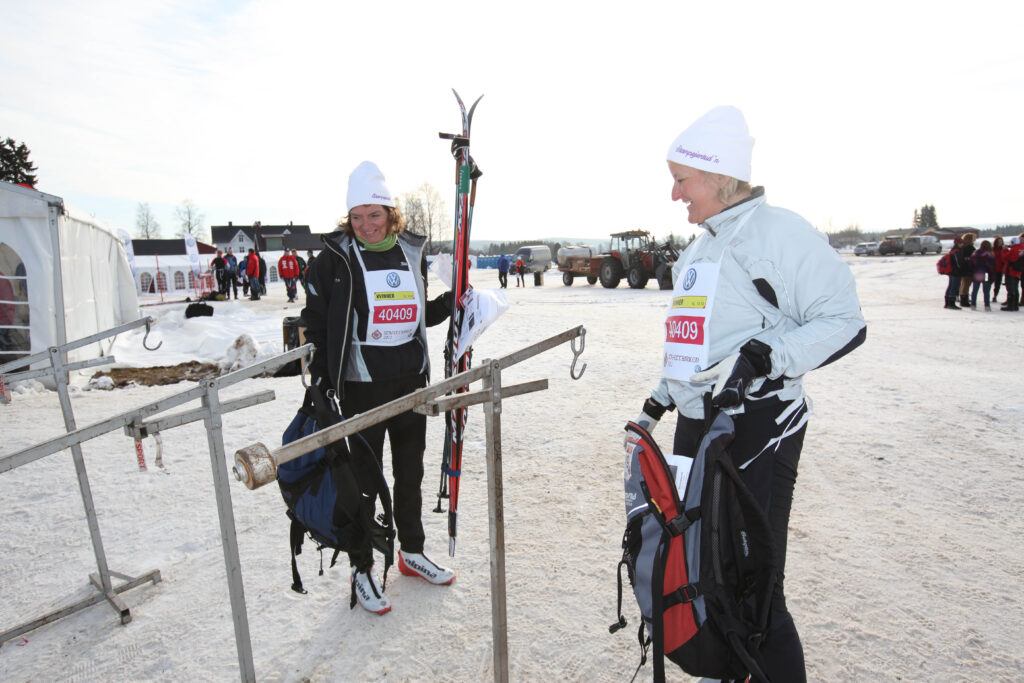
{"x":394,"y":305}
{"x":686,"y":325}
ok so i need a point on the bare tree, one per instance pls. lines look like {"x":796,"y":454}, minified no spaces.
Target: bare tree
{"x":190,"y":220}
{"x":146,"y":226}
{"x":436,"y":216}
{"x":412,"y":209}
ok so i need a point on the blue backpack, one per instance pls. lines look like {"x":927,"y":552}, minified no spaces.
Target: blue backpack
{"x":324,"y":493}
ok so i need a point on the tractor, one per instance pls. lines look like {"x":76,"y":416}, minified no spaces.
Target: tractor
{"x":633,"y":254}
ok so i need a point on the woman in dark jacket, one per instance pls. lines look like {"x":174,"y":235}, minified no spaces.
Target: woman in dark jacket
{"x":965,"y":269}
{"x":983,"y":265}
{"x":999,"y":252}
{"x":367,"y":313}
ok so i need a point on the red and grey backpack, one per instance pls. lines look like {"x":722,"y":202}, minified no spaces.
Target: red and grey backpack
{"x":945,"y":263}
{"x":699,"y":553}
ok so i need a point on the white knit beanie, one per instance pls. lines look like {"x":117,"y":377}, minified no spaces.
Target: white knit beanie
{"x":366,"y":186}
{"x":717,"y":142}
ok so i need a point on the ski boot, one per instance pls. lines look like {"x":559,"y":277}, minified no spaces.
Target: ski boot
{"x":418,"y":564}
{"x":368,"y":592}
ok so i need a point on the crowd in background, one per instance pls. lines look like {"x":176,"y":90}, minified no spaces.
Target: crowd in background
{"x":985,"y":267}
{"x":251,"y":273}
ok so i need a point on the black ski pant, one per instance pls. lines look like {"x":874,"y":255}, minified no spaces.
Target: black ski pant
{"x":1012,"y":292}
{"x":407,"y":435}
{"x":771,"y":477}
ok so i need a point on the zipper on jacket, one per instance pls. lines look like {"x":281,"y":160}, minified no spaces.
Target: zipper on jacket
{"x":348,"y":318}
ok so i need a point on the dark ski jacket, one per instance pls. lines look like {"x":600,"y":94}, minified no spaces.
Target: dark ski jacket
{"x":328,"y":314}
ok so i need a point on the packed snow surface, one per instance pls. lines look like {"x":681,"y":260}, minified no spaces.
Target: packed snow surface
{"x":904,"y":552}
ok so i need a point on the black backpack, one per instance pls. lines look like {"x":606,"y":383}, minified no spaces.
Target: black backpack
{"x":699,"y":553}
{"x":324,"y":493}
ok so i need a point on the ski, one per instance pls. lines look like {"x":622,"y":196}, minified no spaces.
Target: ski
{"x":458,"y":360}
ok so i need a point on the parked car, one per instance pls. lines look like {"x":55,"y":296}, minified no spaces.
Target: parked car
{"x":890,"y":245}
{"x":866,"y":249}
{"x":923,"y":244}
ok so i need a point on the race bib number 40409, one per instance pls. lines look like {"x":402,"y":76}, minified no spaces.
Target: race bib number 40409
{"x":402,"y":313}
{"x":683,"y":329}
{"x":686,"y":323}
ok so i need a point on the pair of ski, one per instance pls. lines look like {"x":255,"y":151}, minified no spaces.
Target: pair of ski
{"x":458,"y":360}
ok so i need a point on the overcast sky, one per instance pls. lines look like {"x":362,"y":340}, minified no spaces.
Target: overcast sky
{"x":259,"y":110}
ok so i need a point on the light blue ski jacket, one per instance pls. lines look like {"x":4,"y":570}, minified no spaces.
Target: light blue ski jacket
{"x":781,"y":283}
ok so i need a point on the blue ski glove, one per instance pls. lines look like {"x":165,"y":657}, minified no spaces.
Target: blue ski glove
{"x":734,"y":374}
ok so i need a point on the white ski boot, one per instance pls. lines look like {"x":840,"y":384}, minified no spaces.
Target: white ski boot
{"x":368,"y":592}
{"x":418,"y":564}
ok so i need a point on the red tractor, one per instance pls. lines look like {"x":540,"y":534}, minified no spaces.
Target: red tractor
{"x":633,"y":254}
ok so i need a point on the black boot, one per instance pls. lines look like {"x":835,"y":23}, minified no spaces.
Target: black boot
{"x":951,"y":303}
{"x":965,"y":301}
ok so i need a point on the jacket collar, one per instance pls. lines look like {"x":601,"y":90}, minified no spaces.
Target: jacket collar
{"x":727,"y":217}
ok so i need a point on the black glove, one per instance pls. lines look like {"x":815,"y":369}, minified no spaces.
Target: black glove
{"x":457,"y":144}
{"x":446,"y":300}
{"x":734,"y":374}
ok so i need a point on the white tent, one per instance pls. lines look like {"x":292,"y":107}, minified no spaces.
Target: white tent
{"x":63,"y":276}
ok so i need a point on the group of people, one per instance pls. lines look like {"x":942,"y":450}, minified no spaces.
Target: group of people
{"x":251,"y":273}
{"x":518,"y":269}
{"x":986,"y":267}
{"x":784,"y":304}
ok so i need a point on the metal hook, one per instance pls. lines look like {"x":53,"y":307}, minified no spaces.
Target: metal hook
{"x":576,"y":355}
{"x":149,"y":321}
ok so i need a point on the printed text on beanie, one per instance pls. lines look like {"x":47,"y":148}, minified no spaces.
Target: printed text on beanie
{"x":717,"y":142}
{"x":366,"y":185}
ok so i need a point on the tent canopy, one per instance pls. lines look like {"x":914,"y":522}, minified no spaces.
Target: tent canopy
{"x":63,"y":275}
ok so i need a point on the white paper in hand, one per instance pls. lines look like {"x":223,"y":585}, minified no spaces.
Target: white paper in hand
{"x":482,"y":307}
{"x":442,"y":268}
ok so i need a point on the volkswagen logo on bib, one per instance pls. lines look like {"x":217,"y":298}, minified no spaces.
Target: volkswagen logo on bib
{"x":691,"y":277}
{"x":393,"y":280}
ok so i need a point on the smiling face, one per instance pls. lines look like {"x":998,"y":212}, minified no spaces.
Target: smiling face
{"x":697,"y":189}
{"x":369,"y":222}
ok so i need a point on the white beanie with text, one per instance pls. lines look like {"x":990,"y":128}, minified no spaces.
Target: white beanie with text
{"x":366,"y":186}
{"x":717,"y":142}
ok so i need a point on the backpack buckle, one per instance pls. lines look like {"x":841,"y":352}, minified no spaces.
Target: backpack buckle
{"x":686,"y":594}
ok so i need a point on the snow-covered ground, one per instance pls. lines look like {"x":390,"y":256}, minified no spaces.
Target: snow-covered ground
{"x":904,"y":555}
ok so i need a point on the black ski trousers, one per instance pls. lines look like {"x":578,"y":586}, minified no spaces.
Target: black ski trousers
{"x":407,"y":437}
{"x":771,"y":477}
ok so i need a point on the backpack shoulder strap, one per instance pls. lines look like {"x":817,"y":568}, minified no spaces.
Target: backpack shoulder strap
{"x":295,"y":534}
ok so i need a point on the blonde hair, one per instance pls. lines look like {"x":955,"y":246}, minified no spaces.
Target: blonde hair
{"x":968,"y":237}
{"x":396,"y":221}
{"x":729,"y":187}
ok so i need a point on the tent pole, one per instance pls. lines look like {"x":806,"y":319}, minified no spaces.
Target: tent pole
{"x":58,"y":277}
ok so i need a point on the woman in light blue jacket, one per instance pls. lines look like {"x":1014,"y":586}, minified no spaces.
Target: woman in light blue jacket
{"x":760,"y":299}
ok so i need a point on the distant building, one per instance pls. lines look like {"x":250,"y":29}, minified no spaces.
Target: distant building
{"x":175,"y":247}
{"x":949,"y":233}
{"x":163,"y":266}
{"x":271,"y":238}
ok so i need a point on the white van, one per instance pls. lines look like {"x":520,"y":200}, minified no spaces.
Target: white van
{"x":536,"y":258}
{"x":922,"y":244}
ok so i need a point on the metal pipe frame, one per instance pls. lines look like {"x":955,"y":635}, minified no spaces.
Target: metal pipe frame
{"x":427,"y":401}
{"x":134,"y":425}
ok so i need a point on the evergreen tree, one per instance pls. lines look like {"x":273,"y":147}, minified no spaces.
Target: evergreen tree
{"x":15,"y":166}
{"x":925,"y":217}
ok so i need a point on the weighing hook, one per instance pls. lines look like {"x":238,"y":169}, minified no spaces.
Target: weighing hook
{"x":149,"y":321}
{"x":576,"y":355}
